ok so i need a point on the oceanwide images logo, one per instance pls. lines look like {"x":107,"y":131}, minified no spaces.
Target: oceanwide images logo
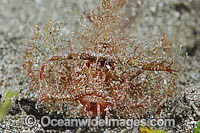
{"x":46,"y":121}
